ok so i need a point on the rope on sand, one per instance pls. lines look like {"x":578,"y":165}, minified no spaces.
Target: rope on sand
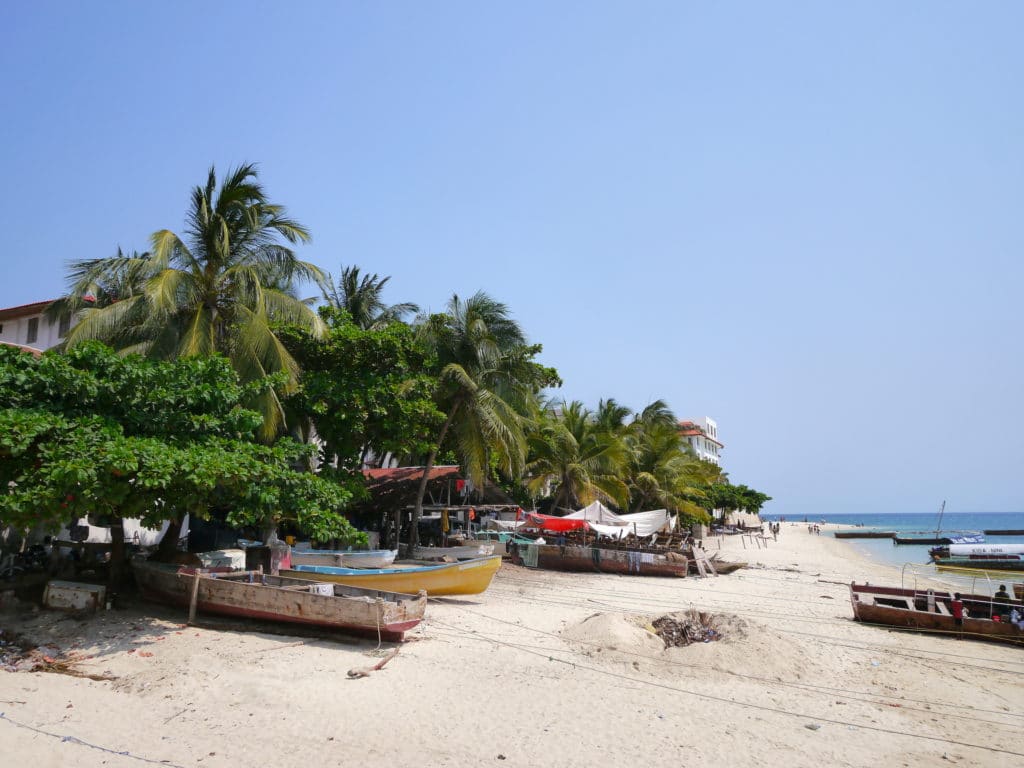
{"x":75,"y":740}
{"x":735,"y":702}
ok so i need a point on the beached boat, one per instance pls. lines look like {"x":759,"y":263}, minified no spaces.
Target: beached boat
{"x":470,"y":551}
{"x":255,"y":595}
{"x":1000,"y":557}
{"x":595,"y":559}
{"x":500,"y":540}
{"x":466,"y":577}
{"x":931,"y":612}
{"x":864,"y":534}
{"x":372,"y":558}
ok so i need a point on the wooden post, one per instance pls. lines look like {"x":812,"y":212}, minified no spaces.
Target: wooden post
{"x":194,"y":600}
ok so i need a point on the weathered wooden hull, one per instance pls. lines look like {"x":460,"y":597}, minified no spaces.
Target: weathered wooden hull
{"x":467,"y":577}
{"x":376,"y":558}
{"x":594,"y":560}
{"x":864,"y":534}
{"x":282,"y":599}
{"x":921,"y":540}
{"x":907,"y":609}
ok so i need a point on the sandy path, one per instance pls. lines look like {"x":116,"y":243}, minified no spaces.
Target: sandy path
{"x":527,"y":675}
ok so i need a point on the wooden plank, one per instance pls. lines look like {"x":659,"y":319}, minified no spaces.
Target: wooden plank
{"x":194,"y":600}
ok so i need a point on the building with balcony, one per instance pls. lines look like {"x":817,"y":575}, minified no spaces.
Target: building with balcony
{"x":702,"y":436}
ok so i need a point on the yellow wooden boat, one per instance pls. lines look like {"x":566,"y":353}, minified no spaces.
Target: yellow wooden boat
{"x":467,"y":577}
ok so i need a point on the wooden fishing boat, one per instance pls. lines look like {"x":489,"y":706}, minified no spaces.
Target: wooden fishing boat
{"x":255,"y":595}
{"x":921,"y":540}
{"x":470,"y":551}
{"x":931,"y":612}
{"x":1005,"y":532}
{"x":500,"y":540}
{"x":864,"y":534}
{"x":371,"y":558}
{"x":999,"y":557}
{"x":585,"y":559}
{"x":466,"y":577}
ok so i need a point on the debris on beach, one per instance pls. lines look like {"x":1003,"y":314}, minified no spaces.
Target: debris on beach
{"x":19,"y":654}
{"x":690,"y":627}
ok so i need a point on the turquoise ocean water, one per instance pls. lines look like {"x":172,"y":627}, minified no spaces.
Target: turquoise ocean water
{"x":884,"y":551}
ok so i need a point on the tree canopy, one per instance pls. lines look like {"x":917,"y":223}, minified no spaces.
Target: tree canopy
{"x":367,"y":392}
{"x":92,"y":432}
{"x":216,"y":289}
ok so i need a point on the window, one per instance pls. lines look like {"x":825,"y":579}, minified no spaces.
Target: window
{"x":1,"y":327}
{"x":64,"y":327}
{"x":33,"y":330}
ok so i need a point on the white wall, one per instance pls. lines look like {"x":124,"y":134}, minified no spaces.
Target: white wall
{"x":15,"y":331}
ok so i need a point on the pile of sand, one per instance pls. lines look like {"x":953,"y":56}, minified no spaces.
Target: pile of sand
{"x":741,"y":646}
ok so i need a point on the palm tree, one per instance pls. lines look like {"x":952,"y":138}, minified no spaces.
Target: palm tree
{"x":217,"y":289}
{"x":360,"y":296}
{"x":573,"y":450}
{"x":663,"y":471}
{"x":486,"y":381}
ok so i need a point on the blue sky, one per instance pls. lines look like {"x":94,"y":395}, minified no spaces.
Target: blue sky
{"x":801,"y":219}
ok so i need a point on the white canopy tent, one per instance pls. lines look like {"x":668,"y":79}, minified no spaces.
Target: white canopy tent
{"x":604,"y":522}
{"x":134,"y":533}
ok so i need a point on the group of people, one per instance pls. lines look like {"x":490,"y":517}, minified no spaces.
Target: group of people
{"x":814,"y":528}
{"x":1002,"y":609}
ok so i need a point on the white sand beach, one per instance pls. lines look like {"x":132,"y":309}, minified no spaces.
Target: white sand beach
{"x":543,"y":669}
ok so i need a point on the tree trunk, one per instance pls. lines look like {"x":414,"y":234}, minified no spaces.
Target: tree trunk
{"x":417,"y":512}
{"x":116,"y":574}
{"x":169,"y":543}
{"x":269,"y":531}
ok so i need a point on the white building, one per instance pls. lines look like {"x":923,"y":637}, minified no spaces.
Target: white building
{"x":702,"y":436}
{"x":27,"y":326}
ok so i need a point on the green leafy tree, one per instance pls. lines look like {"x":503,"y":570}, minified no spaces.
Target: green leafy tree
{"x":365,"y":391}
{"x":95,"y":433}
{"x":362,"y":297}
{"x":217,"y":289}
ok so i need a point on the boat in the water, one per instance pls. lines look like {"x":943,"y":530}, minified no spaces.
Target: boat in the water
{"x":1000,"y":557}
{"x":966,"y":537}
{"x":951,"y":537}
{"x":256,"y":595}
{"x":465,"y":577}
{"x":469,"y":551}
{"x":931,"y":611}
{"x":1005,"y":532}
{"x":588,"y":559}
{"x":864,"y":534}
{"x":371,"y":558}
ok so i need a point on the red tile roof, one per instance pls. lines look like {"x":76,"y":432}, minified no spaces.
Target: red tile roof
{"x":25,"y":310}
{"x":400,"y":474}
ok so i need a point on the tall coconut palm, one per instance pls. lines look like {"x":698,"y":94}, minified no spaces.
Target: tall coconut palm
{"x":218,"y":288}
{"x":360,"y":296}
{"x":663,"y":471}
{"x":486,"y":382}
{"x":571,"y":450}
